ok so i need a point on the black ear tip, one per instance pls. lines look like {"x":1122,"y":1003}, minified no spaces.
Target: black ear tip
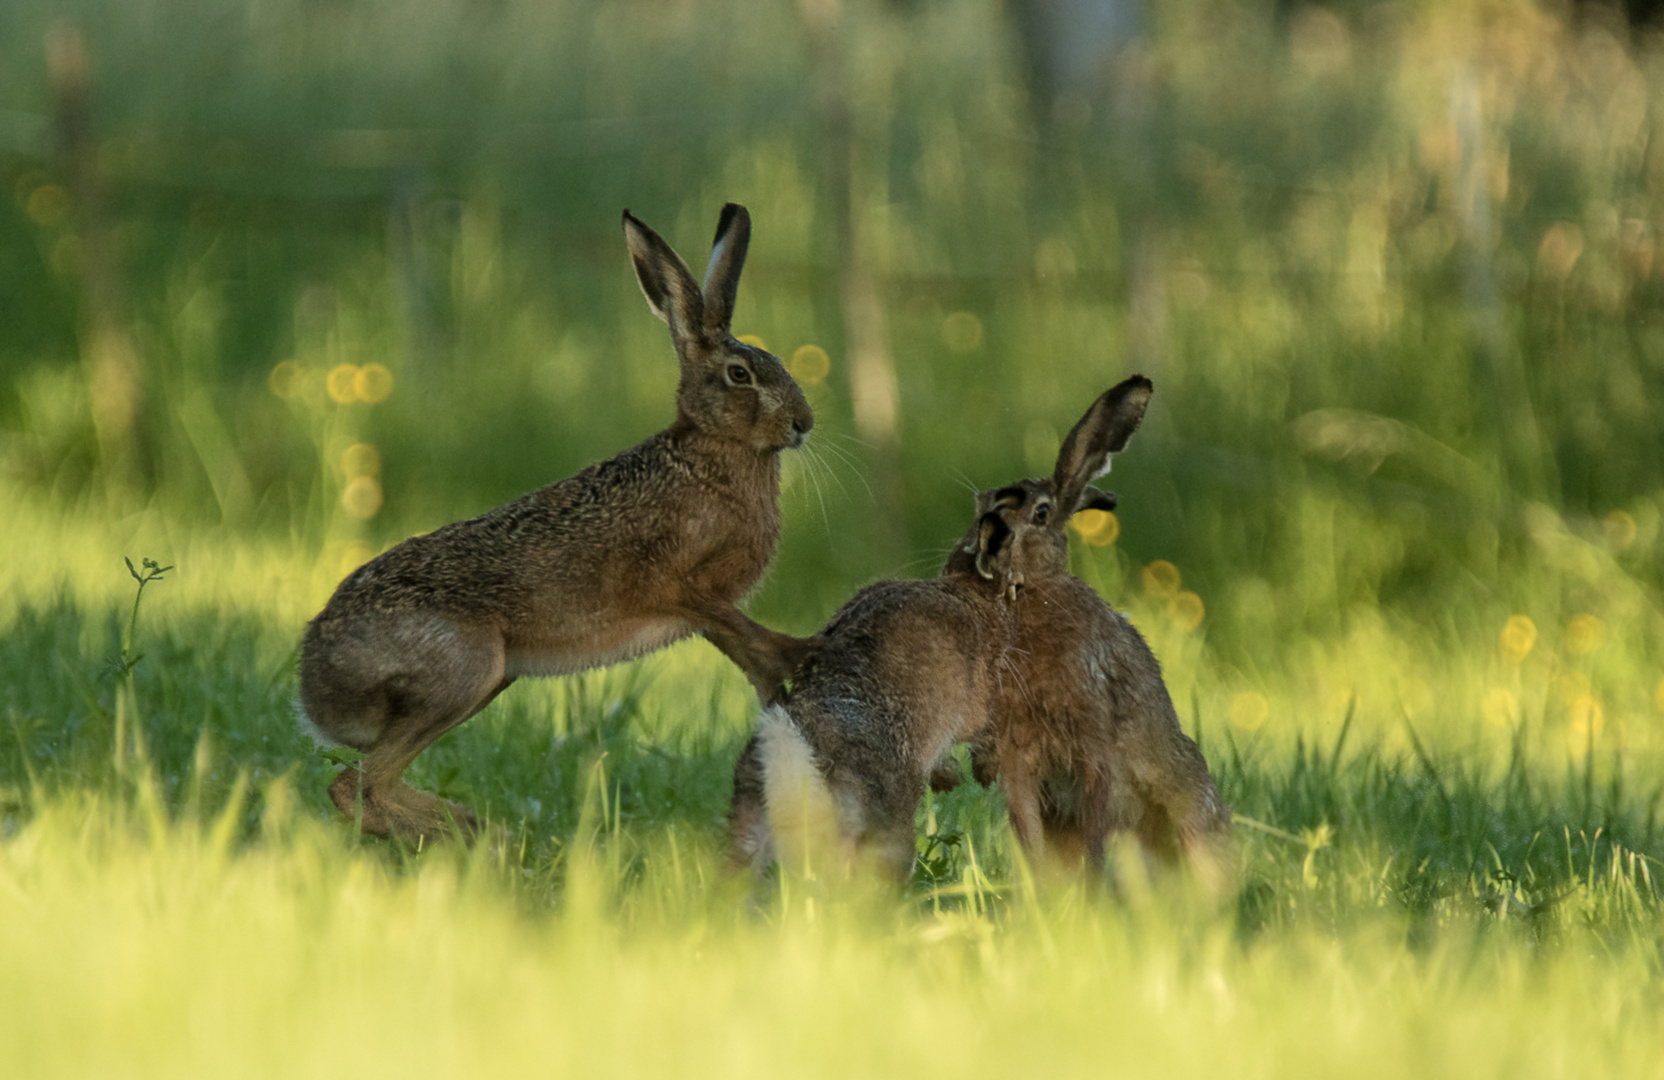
{"x":630,"y":219}
{"x":731,"y":212}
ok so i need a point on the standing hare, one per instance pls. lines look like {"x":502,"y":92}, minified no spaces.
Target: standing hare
{"x":903,"y":671}
{"x":1085,"y":740}
{"x":624,"y":558}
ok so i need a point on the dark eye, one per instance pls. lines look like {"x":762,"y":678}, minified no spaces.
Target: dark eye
{"x":739,"y":374}
{"x":1041,"y":513}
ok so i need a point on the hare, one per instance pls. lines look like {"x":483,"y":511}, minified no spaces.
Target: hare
{"x":903,"y":671}
{"x":626,"y":557}
{"x":1085,"y":740}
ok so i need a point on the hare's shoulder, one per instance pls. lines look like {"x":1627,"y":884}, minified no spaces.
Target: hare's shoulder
{"x":614,"y":495}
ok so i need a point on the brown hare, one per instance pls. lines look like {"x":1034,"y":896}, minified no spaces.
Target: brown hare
{"x":624,"y":558}
{"x":903,"y":671}
{"x":1085,"y":740}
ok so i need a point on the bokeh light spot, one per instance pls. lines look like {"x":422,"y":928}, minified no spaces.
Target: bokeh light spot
{"x":1187,"y":611}
{"x":1100,"y":528}
{"x":1249,"y":710}
{"x":810,"y":364}
{"x":1620,"y":530}
{"x":1161,"y":579}
{"x":1585,"y":716}
{"x":47,"y":205}
{"x":1584,"y":634}
{"x":286,"y":380}
{"x":340,"y":384}
{"x":1519,"y":635}
{"x":962,"y":332}
{"x":362,"y":498}
{"x":372,"y":383}
{"x":752,"y":340}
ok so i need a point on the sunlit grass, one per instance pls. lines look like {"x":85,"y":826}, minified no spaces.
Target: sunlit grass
{"x":142,"y":946}
{"x":1393,"y":527}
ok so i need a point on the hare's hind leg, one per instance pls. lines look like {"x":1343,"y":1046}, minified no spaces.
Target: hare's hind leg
{"x":1022,"y":802}
{"x":1184,"y":816}
{"x":425,"y":700}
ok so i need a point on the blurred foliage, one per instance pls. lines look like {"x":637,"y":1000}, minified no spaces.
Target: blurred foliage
{"x":283,"y":282}
{"x":1393,"y":268}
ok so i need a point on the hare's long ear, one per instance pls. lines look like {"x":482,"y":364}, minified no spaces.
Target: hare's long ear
{"x":665,"y":280}
{"x":1094,"y":499}
{"x":992,"y":534}
{"x":1104,"y":430}
{"x":722,"y":273}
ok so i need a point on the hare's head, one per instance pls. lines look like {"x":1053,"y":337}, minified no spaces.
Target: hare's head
{"x":1031,"y":514}
{"x":728,"y":389}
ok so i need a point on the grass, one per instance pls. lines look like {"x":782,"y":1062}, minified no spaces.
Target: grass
{"x":1447,"y":907}
{"x":1392,"y":526}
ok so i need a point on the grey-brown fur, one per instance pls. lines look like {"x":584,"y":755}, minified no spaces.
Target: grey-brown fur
{"x":1086,"y":741}
{"x":903,"y":671}
{"x":626,"y":557}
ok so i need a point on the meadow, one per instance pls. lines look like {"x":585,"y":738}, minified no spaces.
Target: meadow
{"x":283,"y":284}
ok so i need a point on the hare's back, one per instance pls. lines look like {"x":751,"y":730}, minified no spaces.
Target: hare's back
{"x":602,"y":539}
{"x":901,"y":674}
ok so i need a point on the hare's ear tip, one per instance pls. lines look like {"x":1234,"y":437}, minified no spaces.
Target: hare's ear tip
{"x":732,"y":213}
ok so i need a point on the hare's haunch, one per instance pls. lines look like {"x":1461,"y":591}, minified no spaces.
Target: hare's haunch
{"x":624,"y":558}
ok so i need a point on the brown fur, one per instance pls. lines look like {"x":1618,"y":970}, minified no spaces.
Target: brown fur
{"x":626,"y":557}
{"x":1086,"y":741}
{"x":903,"y":671}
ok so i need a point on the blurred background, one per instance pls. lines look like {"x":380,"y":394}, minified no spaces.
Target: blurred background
{"x":320,"y":274}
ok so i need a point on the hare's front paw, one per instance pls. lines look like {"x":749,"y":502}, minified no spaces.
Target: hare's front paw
{"x":947,"y":775}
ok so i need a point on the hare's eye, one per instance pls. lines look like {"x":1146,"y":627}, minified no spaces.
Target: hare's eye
{"x":1041,"y":513}
{"x":738,"y":374}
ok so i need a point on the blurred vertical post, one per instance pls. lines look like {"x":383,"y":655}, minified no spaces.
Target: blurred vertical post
{"x":874,"y":390}
{"x":1523,"y":458}
{"x":1073,"y":59}
{"x":407,"y":247}
{"x":106,"y":347}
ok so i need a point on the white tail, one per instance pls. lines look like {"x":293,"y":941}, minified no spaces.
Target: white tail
{"x":802,"y":813}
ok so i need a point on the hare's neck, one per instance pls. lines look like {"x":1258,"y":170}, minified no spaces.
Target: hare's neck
{"x":724,"y":463}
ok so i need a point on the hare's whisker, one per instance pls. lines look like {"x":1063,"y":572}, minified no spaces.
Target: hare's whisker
{"x":831,"y":473}
{"x":851,"y":438}
{"x":844,"y":457}
{"x":964,"y":481}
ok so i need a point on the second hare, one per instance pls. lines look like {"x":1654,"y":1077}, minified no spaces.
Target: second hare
{"x":1086,"y":741}
{"x":631,"y":554}
{"x":901,"y":673}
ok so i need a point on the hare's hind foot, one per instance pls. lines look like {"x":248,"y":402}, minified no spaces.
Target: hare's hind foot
{"x":401,"y":811}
